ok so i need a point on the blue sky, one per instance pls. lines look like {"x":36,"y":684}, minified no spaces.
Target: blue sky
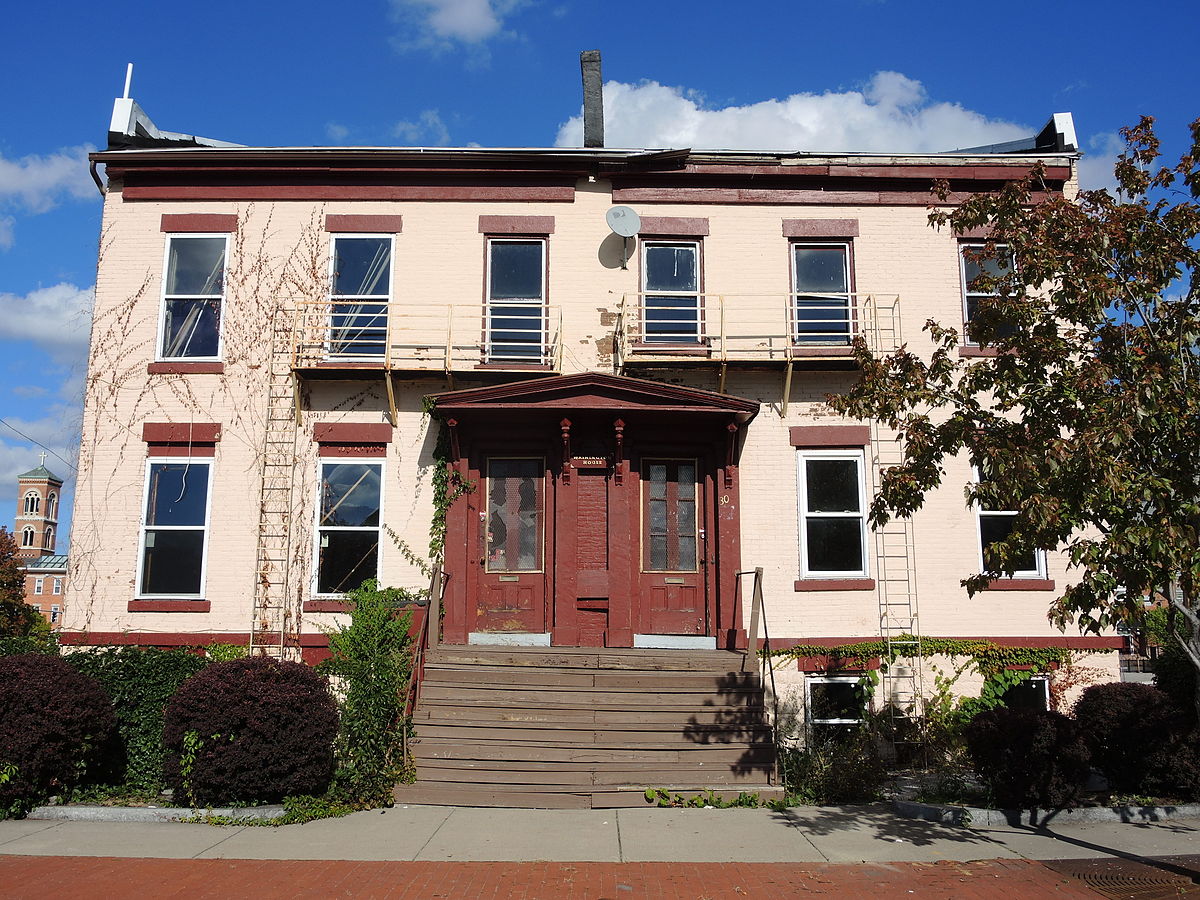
{"x":846,"y":74}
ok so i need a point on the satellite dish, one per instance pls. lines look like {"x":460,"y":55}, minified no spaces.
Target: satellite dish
{"x":623,"y":221}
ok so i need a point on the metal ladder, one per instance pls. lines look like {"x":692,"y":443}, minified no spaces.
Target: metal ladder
{"x":274,"y":625}
{"x":899,"y":623}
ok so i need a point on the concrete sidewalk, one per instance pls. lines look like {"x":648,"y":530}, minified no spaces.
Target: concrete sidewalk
{"x":427,"y":833}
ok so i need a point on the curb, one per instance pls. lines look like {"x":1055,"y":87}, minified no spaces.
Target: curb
{"x":971,"y":816}
{"x":148,"y":813}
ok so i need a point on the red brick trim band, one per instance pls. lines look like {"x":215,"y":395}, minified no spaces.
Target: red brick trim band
{"x":171,"y":606}
{"x":810,"y":436}
{"x":1021,"y":584}
{"x":1070,"y":642}
{"x":970,"y":351}
{"x":198,"y":222}
{"x":334,"y":606}
{"x":186,"y":368}
{"x":434,"y":192}
{"x":186,"y":451}
{"x":377,"y":224}
{"x":675,"y":226}
{"x":835,"y":584}
{"x":181,"y":432}
{"x":813,"y":664}
{"x":173,"y":639}
{"x":981,"y":232}
{"x":516,"y":224}
{"x":352,"y":433}
{"x":823,"y":228}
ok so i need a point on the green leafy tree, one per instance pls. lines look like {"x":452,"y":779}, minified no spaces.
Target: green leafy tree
{"x":17,"y":618}
{"x":1087,"y":418}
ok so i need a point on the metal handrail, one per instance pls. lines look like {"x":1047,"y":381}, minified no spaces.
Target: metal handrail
{"x":433,"y":607}
{"x":758,"y":615}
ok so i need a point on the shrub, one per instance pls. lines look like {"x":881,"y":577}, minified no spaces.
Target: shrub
{"x":56,"y":727}
{"x":1028,"y":758}
{"x":250,"y":730}
{"x":373,"y":657}
{"x":833,"y":769}
{"x":139,"y":681}
{"x":1125,"y":725}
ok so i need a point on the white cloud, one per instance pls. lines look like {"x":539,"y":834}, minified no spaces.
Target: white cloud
{"x":428,"y":130}
{"x":39,"y":182}
{"x":892,"y":112}
{"x":6,"y":232}
{"x":30,"y":390}
{"x":56,"y":319}
{"x":439,"y":24}
{"x":336,"y":132}
{"x":1096,"y":167}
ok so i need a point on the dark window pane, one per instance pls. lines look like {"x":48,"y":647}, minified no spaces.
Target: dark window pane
{"x":821,"y":270}
{"x":191,"y":328}
{"x":516,"y":270}
{"x":672,"y":319}
{"x":517,"y":330}
{"x":172,"y":562}
{"x":350,"y":495}
{"x":832,"y":485}
{"x":1029,"y":694}
{"x":362,"y":267}
{"x":669,"y":493}
{"x":834,"y":545}
{"x":836,"y":700}
{"x":995,"y":527}
{"x":178,"y":494}
{"x":973,"y":268}
{"x":347,"y":559}
{"x":358,"y":329}
{"x":671,"y":267}
{"x":196,"y":266}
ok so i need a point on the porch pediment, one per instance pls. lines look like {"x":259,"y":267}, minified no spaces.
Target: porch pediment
{"x":595,"y":391}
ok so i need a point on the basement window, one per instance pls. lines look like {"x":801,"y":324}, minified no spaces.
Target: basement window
{"x":834,"y":703}
{"x":1031,"y":694}
{"x":193,"y":294}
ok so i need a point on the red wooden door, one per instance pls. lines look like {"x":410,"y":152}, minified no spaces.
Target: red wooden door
{"x":673,"y":554}
{"x":512,"y":571}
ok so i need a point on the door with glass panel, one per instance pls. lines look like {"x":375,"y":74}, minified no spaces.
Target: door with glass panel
{"x":516,"y":319}
{"x":673,"y":548}
{"x":822,"y":313}
{"x":671,"y":312}
{"x":512,"y":539}
{"x":360,"y":294}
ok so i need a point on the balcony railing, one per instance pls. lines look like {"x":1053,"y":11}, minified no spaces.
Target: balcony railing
{"x":431,"y":338}
{"x":753,"y":328}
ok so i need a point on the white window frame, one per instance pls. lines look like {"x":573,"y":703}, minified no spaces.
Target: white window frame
{"x":810,"y":680}
{"x":318,"y":528}
{"x":1039,"y":556}
{"x":159,"y":354}
{"x":57,"y":586}
{"x":28,"y":538}
{"x":38,"y":584}
{"x":796,"y":335}
{"x":858,"y":457}
{"x":968,"y":294}
{"x":375,"y":299}
{"x":141,"y":594}
{"x":697,"y":295}
{"x":48,"y":536}
{"x":543,"y":350}
{"x":52,"y":506}
{"x":32,"y":505}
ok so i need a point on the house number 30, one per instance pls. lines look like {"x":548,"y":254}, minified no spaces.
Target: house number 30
{"x":724,"y":499}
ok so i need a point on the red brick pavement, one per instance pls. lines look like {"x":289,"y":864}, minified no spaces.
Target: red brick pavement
{"x":101,"y":877}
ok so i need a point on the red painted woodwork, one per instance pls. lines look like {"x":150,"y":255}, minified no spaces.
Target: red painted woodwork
{"x":181,"y":606}
{"x":177,"y":223}
{"x":364,"y":224}
{"x":181,"y":432}
{"x":352,"y":433}
{"x":675,"y":226}
{"x":1021,"y":584}
{"x":830,"y":435}
{"x":835,"y":584}
{"x":516,"y":224}
{"x":185,"y":368}
{"x":839,"y":228}
{"x":342,"y":191}
{"x":674,"y":553}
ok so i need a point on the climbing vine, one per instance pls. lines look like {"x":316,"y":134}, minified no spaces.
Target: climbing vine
{"x":448,"y":483}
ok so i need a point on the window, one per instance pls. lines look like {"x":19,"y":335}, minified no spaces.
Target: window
{"x":27,"y":536}
{"x":669,"y":515}
{"x":193,"y":292}
{"x":38,"y":583}
{"x":348,"y":517}
{"x":1033,"y":694}
{"x":833,"y":534}
{"x":515,"y":506}
{"x":996,"y":525}
{"x":516,"y":301}
{"x":671,"y":292}
{"x":971,"y":267}
{"x":51,"y":503}
{"x":361,"y":288}
{"x":174,"y":529}
{"x":33,"y":503}
{"x":821,"y":309}
{"x":58,"y":585}
{"x":48,"y":539}
{"x":54,"y":614}
{"x":834,"y":700}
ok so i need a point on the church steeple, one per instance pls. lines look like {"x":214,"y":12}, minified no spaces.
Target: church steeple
{"x":39,"y":493}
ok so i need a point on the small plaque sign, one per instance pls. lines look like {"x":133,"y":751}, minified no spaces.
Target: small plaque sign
{"x":590,"y":462}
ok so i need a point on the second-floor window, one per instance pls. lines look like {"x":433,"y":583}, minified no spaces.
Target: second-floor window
{"x":193,"y":294}
{"x":974,"y":265}
{"x":174,"y":529}
{"x":359,"y":295}
{"x":821,"y":308}
{"x":516,"y":300}
{"x":833,"y":532}
{"x":671,"y":312}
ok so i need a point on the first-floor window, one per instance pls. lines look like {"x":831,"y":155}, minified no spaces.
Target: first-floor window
{"x":174,"y":529}
{"x":348,"y":517}
{"x":834,"y":700}
{"x":833,"y":533}
{"x":995,"y":526}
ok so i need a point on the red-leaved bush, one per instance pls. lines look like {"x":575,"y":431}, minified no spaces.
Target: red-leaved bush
{"x":250,"y":730}
{"x":1028,"y":758}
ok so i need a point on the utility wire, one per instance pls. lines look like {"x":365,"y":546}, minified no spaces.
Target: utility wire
{"x":39,"y":443}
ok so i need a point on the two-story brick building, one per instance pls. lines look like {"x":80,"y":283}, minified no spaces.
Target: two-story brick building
{"x":632,"y":425}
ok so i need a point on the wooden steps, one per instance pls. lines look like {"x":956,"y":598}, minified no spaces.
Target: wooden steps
{"x":573,"y":728}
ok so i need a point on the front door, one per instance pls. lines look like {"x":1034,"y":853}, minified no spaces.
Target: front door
{"x":512,"y":569}
{"x":673,"y":557}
